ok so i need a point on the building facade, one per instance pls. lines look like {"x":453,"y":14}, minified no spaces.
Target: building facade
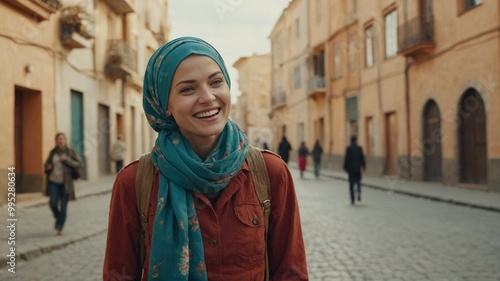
{"x":254,"y":103}
{"x":289,"y":45}
{"x":75,"y":69}
{"x":416,"y":81}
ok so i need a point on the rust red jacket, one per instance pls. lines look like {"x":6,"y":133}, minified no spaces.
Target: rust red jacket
{"x":232,"y":230}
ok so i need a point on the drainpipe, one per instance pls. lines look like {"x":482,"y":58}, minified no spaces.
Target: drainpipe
{"x":408,"y":123}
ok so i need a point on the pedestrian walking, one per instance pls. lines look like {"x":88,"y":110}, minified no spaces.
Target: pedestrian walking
{"x":60,"y":169}
{"x":265,"y":146}
{"x":205,"y":221}
{"x":118,"y":151}
{"x":354,"y":162}
{"x":303,"y":152}
{"x":284,"y":149}
{"x":317,"y":152}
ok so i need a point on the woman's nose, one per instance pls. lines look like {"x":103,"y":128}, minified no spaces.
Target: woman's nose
{"x":206,"y":95}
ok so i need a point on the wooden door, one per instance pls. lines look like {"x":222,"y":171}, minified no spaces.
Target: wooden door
{"x":391,"y":144}
{"x":431,"y":142}
{"x":472,"y":139}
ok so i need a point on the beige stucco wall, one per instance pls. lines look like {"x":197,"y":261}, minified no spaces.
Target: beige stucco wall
{"x":25,"y":41}
{"x":254,"y":76}
{"x":466,"y":55}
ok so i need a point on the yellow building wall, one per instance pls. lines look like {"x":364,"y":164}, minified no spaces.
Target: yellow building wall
{"x":26,"y":42}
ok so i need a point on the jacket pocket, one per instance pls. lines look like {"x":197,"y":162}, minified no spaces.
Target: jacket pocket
{"x":250,"y":240}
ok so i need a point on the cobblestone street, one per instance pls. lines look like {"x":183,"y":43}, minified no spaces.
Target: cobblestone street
{"x":386,"y":237}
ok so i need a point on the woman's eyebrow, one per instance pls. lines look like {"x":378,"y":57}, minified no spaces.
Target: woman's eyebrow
{"x":193,"y":81}
{"x":213,"y":74}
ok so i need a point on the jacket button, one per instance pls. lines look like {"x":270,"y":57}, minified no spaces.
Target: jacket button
{"x":255,"y":221}
{"x":213,"y":243}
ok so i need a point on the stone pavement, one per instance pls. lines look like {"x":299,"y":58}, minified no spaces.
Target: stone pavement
{"x":34,"y":232}
{"x":431,"y":190}
{"x":35,"y":236}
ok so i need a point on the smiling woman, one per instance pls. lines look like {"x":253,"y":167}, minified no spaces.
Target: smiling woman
{"x":205,"y":219}
{"x":200,"y":102}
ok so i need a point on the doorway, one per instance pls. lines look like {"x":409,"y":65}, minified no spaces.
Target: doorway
{"x":472,"y":138}
{"x":77,"y":141}
{"x":104,"y":140}
{"x":391,"y":144}
{"x":28,"y":140}
{"x":431,"y":142}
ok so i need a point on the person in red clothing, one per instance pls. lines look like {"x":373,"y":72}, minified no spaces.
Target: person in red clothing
{"x":205,"y":220}
{"x":303,"y":152}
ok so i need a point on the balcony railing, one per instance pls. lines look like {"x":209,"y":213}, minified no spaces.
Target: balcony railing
{"x":121,"y":6}
{"x":278,"y":99}
{"x":416,"y":36}
{"x":316,"y":85}
{"x":121,"y":59}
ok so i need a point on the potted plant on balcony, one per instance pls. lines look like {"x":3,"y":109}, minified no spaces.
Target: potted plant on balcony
{"x":55,"y":4}
{"x":76,"y":19}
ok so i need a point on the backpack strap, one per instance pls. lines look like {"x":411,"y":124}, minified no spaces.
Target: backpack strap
{"x":143,"y":185}
{"x":262,"y":186}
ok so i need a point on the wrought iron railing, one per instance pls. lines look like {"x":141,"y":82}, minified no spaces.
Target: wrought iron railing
{"x":278,"y":99}
{"x":414,"y":32}
{"x":120,"y":53}
{"x":316,"y":82}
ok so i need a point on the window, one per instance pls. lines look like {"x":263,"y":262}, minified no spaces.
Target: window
{"x":352,"y":52}
{"x":351,"y":106}
{"x":369,"y":46}
{"x":469,"y":4}
{"x":297,"y":77}
{"x":337,"y":67}
{"x":297,"y":28}
{"x":391,"y":34}
{"x":300,"y":132}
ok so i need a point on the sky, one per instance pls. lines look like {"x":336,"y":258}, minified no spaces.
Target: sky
{"x":236,"y":28}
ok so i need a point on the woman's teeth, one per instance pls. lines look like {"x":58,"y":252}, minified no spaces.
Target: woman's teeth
{"x":207,"y":114}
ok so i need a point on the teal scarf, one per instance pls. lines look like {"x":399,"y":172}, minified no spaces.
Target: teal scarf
{"x":177,"y":246}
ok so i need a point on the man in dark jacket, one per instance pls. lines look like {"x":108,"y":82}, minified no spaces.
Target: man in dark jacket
{"x":354,"y":161}
{"x":284,"y":149}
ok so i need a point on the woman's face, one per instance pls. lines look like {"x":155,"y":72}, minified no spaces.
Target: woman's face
{"x":61,"y":141}
{"x":199,"y":99}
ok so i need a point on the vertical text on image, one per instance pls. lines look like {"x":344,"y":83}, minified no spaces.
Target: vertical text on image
{"x":11,"y":218}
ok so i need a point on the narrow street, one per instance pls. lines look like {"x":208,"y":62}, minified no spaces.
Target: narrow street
{"x":385,"y":237}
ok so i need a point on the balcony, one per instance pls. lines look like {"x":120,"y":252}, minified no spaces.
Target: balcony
{"x":120,"y":6}
{"x":37,"y":9}
{"x":316,"y":86}
{"x":121,"y":60}
{"x":278,"y":100}
{"x":76,"y":27}
{"x":416,"y":37}
{"x":72,"y":38}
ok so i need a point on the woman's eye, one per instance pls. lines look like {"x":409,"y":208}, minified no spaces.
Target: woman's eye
{"x":186,"y":90}
{"x":217,"y":82}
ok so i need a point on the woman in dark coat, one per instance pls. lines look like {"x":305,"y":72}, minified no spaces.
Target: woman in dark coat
{"x":303,"y":152}
{"x":316,"y":154}
{"x":59,"y":166}
{"x":284,"y":149}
